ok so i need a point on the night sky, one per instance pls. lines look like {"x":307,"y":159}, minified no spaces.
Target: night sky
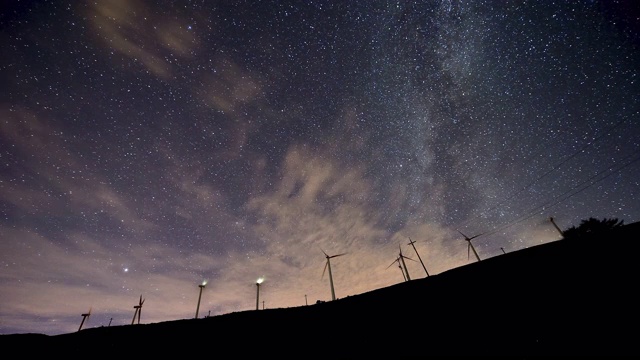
{"x":147,"y":147}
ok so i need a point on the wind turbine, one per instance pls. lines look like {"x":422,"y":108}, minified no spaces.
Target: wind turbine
{"x":84,"y":317}
{"x":411,"y":242}
{"x":328,"y":265}
{"x":470,"y":245}
{"x":138,"y":311}
{"x":397,"y":260}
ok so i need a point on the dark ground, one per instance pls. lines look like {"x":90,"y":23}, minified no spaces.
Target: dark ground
{"x":570,"y":297}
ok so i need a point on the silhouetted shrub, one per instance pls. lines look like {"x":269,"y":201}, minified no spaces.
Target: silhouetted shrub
{"x":592,"y":226}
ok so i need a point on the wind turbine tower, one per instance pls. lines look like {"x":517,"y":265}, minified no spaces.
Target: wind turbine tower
{"x":402,"y":270}
{"x":328,"y":265}
{"x":404,"y":265}
{"x":470,"y":245}
{"x":397,"y":260}
{"x":84,"y":317}
{"x":411,"y":242}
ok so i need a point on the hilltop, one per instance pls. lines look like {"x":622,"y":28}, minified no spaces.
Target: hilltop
{"x":568,"y":297}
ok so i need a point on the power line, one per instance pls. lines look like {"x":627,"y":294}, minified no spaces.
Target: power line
{"x":604,"y":133}
{"x":562,"y":197}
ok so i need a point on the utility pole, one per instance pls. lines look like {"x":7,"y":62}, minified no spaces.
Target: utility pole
{"x":201,"y":286}
{"x":556,"y":226}
{"x":411,"y":242}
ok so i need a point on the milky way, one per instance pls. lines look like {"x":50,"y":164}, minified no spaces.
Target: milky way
{"x":148,"y":147}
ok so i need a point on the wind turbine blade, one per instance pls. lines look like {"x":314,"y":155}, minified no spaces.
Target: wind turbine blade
{"x":473,"y":237}
{"x":394,"y":261}
{"x":325,"y":268}
{"x":337,"y":255}
{"x":468,"y":249}
{"x":465,"y":236}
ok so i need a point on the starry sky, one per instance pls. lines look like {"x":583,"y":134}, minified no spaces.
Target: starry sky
{"x":148,"y":147}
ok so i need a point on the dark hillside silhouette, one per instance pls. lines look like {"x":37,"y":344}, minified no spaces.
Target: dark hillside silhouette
{"x":575,"y":296}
